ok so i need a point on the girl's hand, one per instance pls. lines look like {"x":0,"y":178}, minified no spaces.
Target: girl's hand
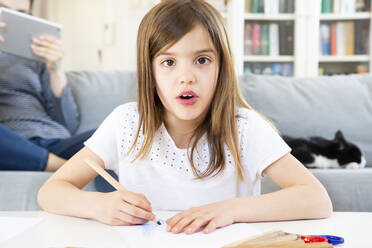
{"x":208,"y":218}
{"x":123,"y":208}
{"x":50,"y":49}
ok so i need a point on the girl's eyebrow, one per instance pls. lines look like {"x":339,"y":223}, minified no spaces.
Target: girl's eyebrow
{"x":208,"y":50}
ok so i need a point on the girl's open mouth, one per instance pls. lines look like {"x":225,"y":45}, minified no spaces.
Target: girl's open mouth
{"x":187,"y":97}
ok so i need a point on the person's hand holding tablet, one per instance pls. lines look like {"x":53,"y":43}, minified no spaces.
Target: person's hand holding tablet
{"x":43,"y":46}
{"x":2,"y":25}
{"x":48,"y":47}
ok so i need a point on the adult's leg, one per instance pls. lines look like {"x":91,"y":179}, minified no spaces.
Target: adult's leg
{"x":53,"y":161}
{"x":17,"y":153}
{"x":66,"y":148}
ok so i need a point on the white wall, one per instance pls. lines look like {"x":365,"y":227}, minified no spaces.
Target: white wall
{"x":97,"y":34}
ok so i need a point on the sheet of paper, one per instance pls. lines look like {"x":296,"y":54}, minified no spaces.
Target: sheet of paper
{"x":12,"y":226}
{"x":152,"y":235}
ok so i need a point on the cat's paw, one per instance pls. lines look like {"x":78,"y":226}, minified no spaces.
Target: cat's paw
{"x":353,"y":166}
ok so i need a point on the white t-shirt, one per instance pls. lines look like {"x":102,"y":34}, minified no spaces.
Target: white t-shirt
{"x":165,"y":175}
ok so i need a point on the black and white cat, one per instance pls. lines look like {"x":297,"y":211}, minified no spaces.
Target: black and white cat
{"x":318,"y":152}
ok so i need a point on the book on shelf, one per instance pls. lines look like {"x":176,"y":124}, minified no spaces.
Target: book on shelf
{"x":256,"y":39}
{"x":274,"y":39}
{"x":282,"y":6}
{"x":361,"y":35}
{"x":344,"y":38}
{"x":286,"y":38}
{"x":269,"y":6}
{"x":325,"y":39}
{"x":254,"y":6}
{"x":349,"y":38}
{"x":290,"y":6}
{"x":335,"y":7}
{"x":326,"y":6}
{"x":248,"y":6}
{"x":265,"y":49}
{"x":333,"y":39}
{"x":282,"y":69}
{"x":345,"y":6}
{"x":264,"y":38}
{"x":261,"y":6}
{"x":340,"y":39}
{"x":248,"y":42}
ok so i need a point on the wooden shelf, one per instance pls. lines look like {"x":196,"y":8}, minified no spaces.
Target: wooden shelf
{"x":269,"y":17}
{"x":340,"y":17}
{"x":263,"y":58}
{"x":340,"y":59}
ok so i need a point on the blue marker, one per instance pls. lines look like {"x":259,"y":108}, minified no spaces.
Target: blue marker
{"x":160,"y":222}
{"x":334,"y":240}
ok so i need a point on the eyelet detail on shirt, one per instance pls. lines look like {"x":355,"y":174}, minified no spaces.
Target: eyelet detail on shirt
{"x":163,"y":152}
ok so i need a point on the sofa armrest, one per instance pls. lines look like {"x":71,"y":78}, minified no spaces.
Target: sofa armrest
{"x":349,"y":190}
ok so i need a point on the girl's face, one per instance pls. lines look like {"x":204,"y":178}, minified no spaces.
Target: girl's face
{"x":186,"y":76}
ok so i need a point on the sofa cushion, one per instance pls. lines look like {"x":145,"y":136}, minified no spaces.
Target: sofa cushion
{"x":18,"y":189}
{"x":97,"y":93}
{"x":319,"y":106}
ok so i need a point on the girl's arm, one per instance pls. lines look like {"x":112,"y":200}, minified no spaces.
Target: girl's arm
{"x":301,"y":196}
{"x":62,"y":194}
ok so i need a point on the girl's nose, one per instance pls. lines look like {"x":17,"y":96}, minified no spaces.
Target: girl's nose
{"x":187,"y":77}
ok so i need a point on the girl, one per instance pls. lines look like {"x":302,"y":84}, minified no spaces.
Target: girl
{"x":190,"y":143}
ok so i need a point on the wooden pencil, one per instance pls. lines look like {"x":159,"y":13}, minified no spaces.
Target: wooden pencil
{"x":112,"y":181}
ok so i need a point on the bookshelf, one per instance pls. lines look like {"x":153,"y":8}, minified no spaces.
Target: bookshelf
{"x":253,"y":53}
{"x":308,"y":20}
{"x":345,"y":36}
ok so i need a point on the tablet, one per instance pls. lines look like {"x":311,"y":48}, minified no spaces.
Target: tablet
{"x":20,"y":29}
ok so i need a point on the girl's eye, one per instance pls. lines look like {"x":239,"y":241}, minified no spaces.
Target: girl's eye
{"x":168,"y":62}
{"x":203,"y":61}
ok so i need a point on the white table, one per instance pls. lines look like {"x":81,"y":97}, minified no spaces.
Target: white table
{"x":56,"y":231}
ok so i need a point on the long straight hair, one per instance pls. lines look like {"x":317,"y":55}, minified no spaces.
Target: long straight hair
{"x":162,"y":27}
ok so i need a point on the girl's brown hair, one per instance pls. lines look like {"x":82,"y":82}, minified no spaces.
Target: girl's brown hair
{"x":162,"y":27}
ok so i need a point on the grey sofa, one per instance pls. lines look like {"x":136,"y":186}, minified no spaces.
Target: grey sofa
{"x":299,"y":107}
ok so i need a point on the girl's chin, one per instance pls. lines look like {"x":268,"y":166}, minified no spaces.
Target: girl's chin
{"x":189,"y":117}
{"x":185,"y":114}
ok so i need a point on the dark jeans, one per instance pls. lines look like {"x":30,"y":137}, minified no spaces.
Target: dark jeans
{"x":18,"y":153}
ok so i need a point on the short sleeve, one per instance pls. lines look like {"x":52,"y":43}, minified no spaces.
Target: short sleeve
{"x":261,"y":144}
{"x":104,"y":143}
